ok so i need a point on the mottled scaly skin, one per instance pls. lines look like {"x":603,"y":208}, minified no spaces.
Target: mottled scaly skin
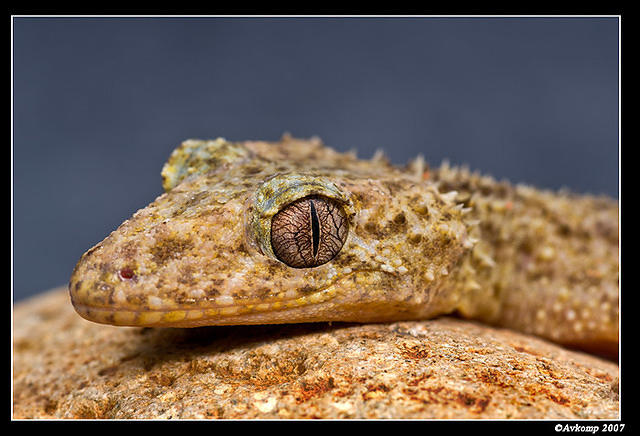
{"x":422,"y":242}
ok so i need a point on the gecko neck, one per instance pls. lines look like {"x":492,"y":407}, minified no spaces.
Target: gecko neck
{"x":544,"y":263}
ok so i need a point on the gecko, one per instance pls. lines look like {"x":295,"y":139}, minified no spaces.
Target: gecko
{"x":293,"y":231}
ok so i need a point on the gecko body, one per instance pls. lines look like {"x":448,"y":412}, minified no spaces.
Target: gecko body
{"x":292,"y":231}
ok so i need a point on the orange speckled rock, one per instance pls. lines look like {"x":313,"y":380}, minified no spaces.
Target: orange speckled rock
{"x":67,"y":367}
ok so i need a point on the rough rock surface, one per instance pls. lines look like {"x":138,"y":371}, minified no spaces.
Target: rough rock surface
{"x":66,"y":367}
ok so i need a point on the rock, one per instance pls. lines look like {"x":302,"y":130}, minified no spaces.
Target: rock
{"x":66,"y":367}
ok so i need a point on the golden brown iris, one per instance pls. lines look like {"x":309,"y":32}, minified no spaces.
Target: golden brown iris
{"x":308,"y":232}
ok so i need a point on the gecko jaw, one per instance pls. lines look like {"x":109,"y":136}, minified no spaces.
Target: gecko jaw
{"x":282,"y":311}
{"x":194,"y":317}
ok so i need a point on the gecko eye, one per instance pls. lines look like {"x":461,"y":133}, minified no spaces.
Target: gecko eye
{"x":309,"y":232}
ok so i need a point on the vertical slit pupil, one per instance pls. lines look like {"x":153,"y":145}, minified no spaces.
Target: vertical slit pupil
{"x":315,"y":228}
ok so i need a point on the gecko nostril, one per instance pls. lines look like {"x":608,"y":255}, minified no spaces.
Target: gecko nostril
{"x":126,"y":274}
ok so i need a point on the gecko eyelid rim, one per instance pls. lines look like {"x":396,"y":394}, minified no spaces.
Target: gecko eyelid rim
{"x":300,"y":220}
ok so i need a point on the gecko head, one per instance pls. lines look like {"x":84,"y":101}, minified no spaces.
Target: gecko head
{"x":260,"y":241}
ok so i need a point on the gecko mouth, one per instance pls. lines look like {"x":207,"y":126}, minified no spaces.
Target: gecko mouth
{"x":279,"y":311}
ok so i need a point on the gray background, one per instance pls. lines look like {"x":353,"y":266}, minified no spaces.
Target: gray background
{"x":99,"y":104}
